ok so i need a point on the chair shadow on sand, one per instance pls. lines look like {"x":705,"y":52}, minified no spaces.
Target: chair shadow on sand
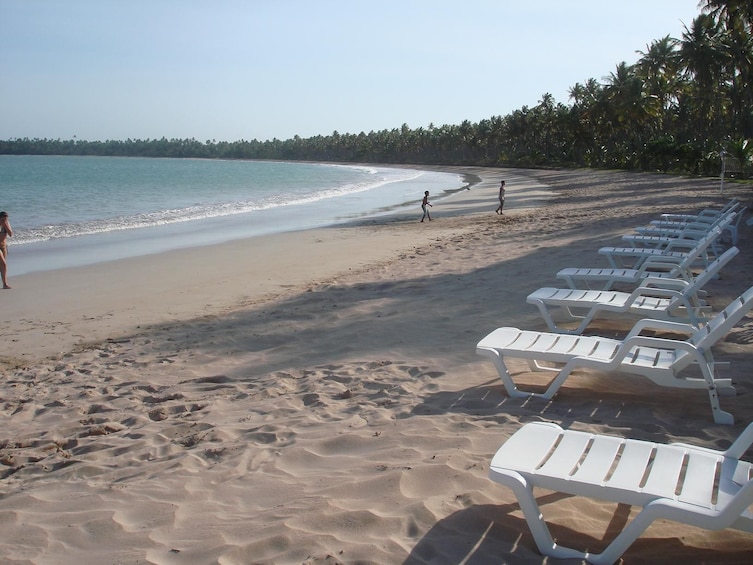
{"x":487,"y":533}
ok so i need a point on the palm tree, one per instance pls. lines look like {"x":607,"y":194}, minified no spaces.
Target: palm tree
{"x":734,"y":13}
{"x":629,"y":111}
{"x":659,"y":67}
{"x":737,"y":17}
{"x":704,"y":59}
{"x":583,"y":121}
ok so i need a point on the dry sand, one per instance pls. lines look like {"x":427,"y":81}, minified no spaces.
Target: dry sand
{"x":315,"y":397}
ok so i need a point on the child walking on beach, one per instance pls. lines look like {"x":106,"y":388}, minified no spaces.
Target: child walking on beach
{"x":424,"y":204}
{"x":501,"y":197}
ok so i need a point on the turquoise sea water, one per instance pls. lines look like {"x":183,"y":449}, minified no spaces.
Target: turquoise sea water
{"x":72,"y":211}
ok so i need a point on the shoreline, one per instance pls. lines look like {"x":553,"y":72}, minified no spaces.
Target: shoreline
{"x":54,"y":312}
{"x":318,"y":399}
{"x":386,"y":190}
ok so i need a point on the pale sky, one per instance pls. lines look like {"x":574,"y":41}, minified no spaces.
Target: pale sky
{"x":227,"y":70}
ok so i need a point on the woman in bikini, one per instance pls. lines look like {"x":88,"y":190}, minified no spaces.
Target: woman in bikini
{"x":5,"y":233}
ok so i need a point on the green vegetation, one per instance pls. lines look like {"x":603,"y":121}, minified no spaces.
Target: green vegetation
{"x":684,"y":101}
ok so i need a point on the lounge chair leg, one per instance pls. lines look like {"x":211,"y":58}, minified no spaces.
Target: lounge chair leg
{"x":707,"y":369}
{"x":540,"y":531}
{"x":504,"y":374}
{"x":627,"y":536}
{"x":514,"y":392}
{"x":542,"y":536}
{"x":584,"y":320}
{"x":547,"y":317}
{"x":720,"y":416}
{"x":557,"y":382}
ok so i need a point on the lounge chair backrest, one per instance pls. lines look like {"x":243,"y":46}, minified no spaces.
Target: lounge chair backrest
{"x":703,"y":278}
{"x":732,"y":228}
{"x":724,"y":321}
{"x":703,"y":244}
{"x":721,"y":222}
{"x":725,"y":216}
{"x":708,"y":213}
{"x":729,"y":206}
{"x":694,"y":254}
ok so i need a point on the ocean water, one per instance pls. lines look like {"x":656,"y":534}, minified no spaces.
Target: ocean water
{"x":73,"y":211}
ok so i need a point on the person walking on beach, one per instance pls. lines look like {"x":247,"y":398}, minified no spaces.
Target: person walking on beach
{"x":424,"y":204}
{"x":501,"y":197}
{"x":5,"y":233}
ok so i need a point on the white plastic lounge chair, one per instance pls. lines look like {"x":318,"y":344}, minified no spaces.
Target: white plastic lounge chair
{"x":706,"y":213}
{"x":707,"y":217}
{"x":660,"y":298}
{"x":660,"y":238}
{"x":660,"y":266}
{"x":675,"y":228}
{"x":663,"y":361}
{"x":729,"y":232}
{"x":692,"y":485}
{"x":635,"y":255}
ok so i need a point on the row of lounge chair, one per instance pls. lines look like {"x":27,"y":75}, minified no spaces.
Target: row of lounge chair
{"x":678,"y":246}
{"x":669,"y":292}
{"x":693,"y":485}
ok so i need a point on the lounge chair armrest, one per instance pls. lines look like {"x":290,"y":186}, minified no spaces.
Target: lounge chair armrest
{"x":667,"y":270}
{"x":700,"y":226}
{"x":664,"y":282}
{"x":661,"y":264}
{"x":653,"y":292}
{"x":684,"y":245}
{"x":696,"y":232}
{"x":659,"y":343}
{"x":666,"y":261}
{"x":643,"y":340}
{"x":660,"y":325}
{"x":709,"y":213}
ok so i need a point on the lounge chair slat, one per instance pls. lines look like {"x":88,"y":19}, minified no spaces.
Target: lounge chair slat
{"x":565,"y":458}
{"x":698,"y":484}
{"x":599,"y":461}
{"x":632,"y":466}
{"x":665,"y":471}
{"x":529,"y":449}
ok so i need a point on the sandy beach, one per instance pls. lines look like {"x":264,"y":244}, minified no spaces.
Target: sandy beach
{"x":316,"y":397}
